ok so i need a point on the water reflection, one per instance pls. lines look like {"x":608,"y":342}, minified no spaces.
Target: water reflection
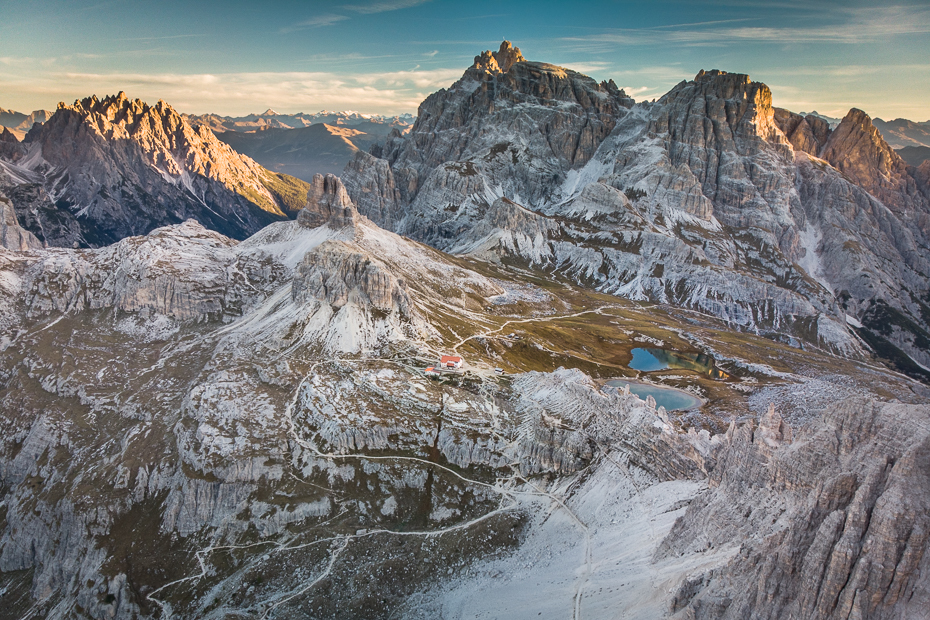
{"x":667,"y":397}
{"x":647,"y":360}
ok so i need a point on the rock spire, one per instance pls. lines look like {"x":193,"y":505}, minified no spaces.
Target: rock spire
{"x":500,"y":61}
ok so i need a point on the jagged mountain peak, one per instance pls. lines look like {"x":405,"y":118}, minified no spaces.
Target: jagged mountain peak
{"x":7,"y":136}
{"x":857,"y":149}
{"x":118,"y":116}
{"x":121,"y":167}
{"x":732,"y":98}
{"x":500,"y":61}
{"x":506,"y":90}
{"x":510,"y":76}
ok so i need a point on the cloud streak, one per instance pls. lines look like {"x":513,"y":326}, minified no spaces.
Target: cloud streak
{"x":383,"y":7}
{"x":329,"y":19}
{"x":319,"y":21}
{"x":854,"y":26}
{"x":241,"y":93}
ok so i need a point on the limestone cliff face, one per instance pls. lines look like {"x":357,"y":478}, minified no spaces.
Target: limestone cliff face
{"x":573,"y":111}
{"x":337,"y":274}
{"x":125,"y":167}
{"x":832,"y":527}
{"x":806,"y":133}
{"x":328,"y":202}
{"x":518,"y":124}
{"x":857,"y":149}
{"x":371,"y":181}
{"x":12,"y":235}
{"x":708,"y":198}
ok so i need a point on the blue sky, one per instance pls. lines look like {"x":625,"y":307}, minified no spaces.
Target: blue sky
{"x":385,"y":56}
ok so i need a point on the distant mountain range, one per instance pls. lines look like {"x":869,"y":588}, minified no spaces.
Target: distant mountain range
{"x":19,"y":123}
{"x":269,"y":119}
{"x":336,"y":136}
{"x":915,"y":155}
{"x":901,"y":132}
{"x":303,"y":145}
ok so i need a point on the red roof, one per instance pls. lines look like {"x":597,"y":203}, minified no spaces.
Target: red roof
{"x":455,"y":359}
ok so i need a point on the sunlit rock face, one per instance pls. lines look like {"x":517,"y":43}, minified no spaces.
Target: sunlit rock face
{"x":806,"y":133}
{"x":117,"y":167}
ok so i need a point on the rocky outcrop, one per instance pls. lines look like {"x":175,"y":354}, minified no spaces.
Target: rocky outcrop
{"x":806,"y":133}
{"x":500,"y":61}
{"x":327,"y":203}
{"x":830,"y":526}
{"x":12,"y":235}
{"x":123,"y":167}
{"x":337,"y":274}
{"x":857,"y":149}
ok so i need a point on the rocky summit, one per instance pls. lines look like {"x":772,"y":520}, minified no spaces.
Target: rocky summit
{"x":708,"y":198}
{"x":552,"y":353}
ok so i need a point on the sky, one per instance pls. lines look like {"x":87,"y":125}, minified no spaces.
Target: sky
{"x":386,"y":56}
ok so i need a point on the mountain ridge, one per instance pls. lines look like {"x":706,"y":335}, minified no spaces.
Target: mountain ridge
{"x":716,"y":189}
{"x":117,"y":167}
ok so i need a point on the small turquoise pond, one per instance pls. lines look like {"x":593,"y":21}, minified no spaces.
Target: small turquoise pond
{"x":667,"y":397}
{"x":647,"y":360}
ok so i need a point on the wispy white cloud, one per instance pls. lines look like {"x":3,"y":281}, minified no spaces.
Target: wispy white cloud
{"x":383,"y":7}
{"x":164,"y":38}
{"x":431,"y":78}
{"x":327,"y":19}
{"x":593,"y":66}
{"x":431,"y":54}
{"x":849,"y":26}
{"x":241,"y":93}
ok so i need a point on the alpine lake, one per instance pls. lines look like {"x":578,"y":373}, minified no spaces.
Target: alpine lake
{"x":649,"y":360}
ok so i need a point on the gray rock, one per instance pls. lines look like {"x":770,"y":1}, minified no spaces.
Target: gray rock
{"x":12,"y":235}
